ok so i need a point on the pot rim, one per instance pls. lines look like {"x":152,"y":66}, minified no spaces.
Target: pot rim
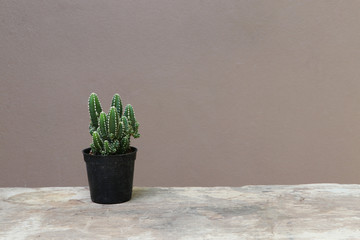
{"x":87,"y":150}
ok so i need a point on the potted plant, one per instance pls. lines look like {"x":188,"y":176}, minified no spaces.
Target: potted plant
{"x":110,"y":158}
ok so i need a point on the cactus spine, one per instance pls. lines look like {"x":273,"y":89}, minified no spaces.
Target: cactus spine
{"x":111,"y":132}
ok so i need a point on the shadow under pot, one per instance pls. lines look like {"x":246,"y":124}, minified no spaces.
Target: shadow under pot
{"x":110,"y":177}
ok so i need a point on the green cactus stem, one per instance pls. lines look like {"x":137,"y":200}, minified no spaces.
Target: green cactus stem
{"x":125,"y":122}
{"x":120,"y":132}
{"x":136,"y":134}
{"x":103,"y":125}
{"x":94,"y":110}
{"x":116,"y":102}
{"x":107,"y":149}
{"x":115,"y":146}
{"x":113,"y":123}
{"x":130,"y":114}
{"x":97,"y":142}
{"x":125,"y":144}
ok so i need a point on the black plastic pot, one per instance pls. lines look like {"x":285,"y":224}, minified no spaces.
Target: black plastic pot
{"x":110,"y":177}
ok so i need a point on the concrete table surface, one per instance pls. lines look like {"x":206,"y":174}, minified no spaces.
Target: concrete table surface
{"x":316,"y":211}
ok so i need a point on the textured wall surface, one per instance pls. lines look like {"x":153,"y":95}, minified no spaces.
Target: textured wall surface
{"x":226,"y":92}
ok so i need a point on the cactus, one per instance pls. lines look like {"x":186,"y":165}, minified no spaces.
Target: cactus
{"x":125,"y":144}
{"x":113,"y":123}
{"x":116,"y":102}
{"x":94,"y":110}
{"x":107,"y":149}
{"x":125,"y":122}
{"x":103,"y":129}
{"x":111,"y":132}
{"x":134,"y":125}
{"x":97,"y":144}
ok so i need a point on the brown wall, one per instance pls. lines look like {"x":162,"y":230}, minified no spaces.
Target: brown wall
{"x":227,"y":92}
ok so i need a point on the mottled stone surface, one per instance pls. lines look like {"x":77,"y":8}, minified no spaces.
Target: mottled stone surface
{"x":319,"y":211}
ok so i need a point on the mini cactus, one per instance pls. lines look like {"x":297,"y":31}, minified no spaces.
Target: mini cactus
{"x":97,"y":144}
{"x":133,"y":124}
{"x":103,"y":129}
{"x":111,"y":132}
{"x":116,"y":102}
